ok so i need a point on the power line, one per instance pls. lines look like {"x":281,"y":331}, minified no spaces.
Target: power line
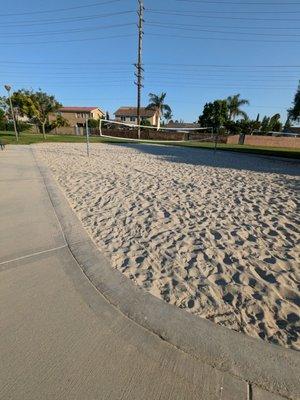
{"x":64,"y":20}
{"x":222,"y":39}
{"x":215,"y":78}
{"x":237,"y":3}
{"x":68,"y":74}
{"x":193,"y":14}
{"x":185,"y":28}
{"x":186,"y":79}
{"x":163,"y":70}
{"x":64,"y":63}
{"x":157,"y":83}
{"x":234,"y":86}
{"x":68,"y":41}
{"x":180,"y":65}
{"x":150,"y":73}
{"x":60,"y":9}
{"x":218,"y":66}
{"x":25,"y":82}
{"x":248,"y":12}
{"x":231,"y":27}
{"x":106,"y":75}
{"x":68,"y":31}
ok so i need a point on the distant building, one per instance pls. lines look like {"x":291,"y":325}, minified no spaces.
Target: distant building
{"x":183,"y":125}
{"x":76,"y":116}
{"x":293,"y":130}
{"x":128,"y":115}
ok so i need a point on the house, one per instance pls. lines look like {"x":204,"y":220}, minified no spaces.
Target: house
{"x":183,"y":126}
{"x":76,"y":116}
{"x":293,"y":131}
{"x":192,"y":128}
{"x":128,"y":115}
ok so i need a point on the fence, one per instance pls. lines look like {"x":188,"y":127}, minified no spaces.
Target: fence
{"x":266,"y":141}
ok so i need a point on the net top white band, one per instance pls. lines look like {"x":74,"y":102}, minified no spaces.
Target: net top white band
{"x":153,"y":127}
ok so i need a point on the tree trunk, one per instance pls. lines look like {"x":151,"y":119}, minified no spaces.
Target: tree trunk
{"x":158,"y":120}
{"x":44,"y":130}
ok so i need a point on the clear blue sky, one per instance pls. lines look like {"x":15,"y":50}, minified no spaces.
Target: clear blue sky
{"x":195,"y":50}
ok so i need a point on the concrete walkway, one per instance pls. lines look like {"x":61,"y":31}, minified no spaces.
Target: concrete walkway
{"x":60,"y":338}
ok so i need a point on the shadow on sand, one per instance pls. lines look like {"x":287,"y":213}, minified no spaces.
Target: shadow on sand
{"x":220,"y":159}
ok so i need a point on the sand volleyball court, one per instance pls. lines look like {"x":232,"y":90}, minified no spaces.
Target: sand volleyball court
{"x":214,"y":234}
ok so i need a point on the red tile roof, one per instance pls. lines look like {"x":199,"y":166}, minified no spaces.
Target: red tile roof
{"x":132,"y":112}
{"x":77,"y":109}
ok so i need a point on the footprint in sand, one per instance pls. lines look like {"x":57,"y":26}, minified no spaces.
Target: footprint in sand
{"x":270,"y":278}
{"x":252,"y":239}
{"x":292,"y":318}
{"x":221,"y":282}
{"x":270,"y":260}
{"x":228,"y":298}
{"x":217,"y":235}
{"x":191,"y":303}
{"x":227,"y":260}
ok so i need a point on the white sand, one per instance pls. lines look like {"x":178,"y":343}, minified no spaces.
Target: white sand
{"x":214,"y":234}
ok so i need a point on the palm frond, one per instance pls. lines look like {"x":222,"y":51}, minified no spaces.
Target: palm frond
{"x":166,"y":108}
{"x":242,"y":114}
{"x":151,"y":106}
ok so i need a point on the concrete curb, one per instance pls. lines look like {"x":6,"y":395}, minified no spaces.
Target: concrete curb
{"x":267,"y":366}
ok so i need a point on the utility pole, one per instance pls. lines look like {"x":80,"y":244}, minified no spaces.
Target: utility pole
{"x":87,"y":135}
{"x":139,"y":65}
{"x":8,"y":88}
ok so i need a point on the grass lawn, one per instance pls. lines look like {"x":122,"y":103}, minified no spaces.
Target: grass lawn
{"x":30,"y":138}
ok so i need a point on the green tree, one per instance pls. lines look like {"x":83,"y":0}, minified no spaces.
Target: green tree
{"x":244,"y":126}
{"x":234,"y":104}
{"x":2,"y":120}
{"x":275,"y":124}
{"x":168,"y":116}
{"x":271,"y":124}
{"x":4,"y":103}
{"x":37,"y":106}
{"x":145,"y":122}
{"x":214,"y":114}
{"x":265,"y":124}
{"x":59,"y":122}
{"x":287,"y":124}
{"x":157,"y":103}
{"x":294,"y":112}
{"x":233,"y":127}
{"x":93,"y":123}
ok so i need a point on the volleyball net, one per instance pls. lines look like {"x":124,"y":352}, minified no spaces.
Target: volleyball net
{"x":133,"y":132}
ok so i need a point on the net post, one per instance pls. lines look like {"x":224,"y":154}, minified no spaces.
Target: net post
{"x":100,"y":127}
{"x":87,"y":135}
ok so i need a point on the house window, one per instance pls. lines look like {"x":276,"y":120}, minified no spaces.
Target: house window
{"x":123,"y":119}
{"x":132,"y":119}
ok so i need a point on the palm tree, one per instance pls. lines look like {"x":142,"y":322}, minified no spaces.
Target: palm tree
{"x":168,"y":116}
{"x":156,"y":102}
{"x":234,"y":104}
